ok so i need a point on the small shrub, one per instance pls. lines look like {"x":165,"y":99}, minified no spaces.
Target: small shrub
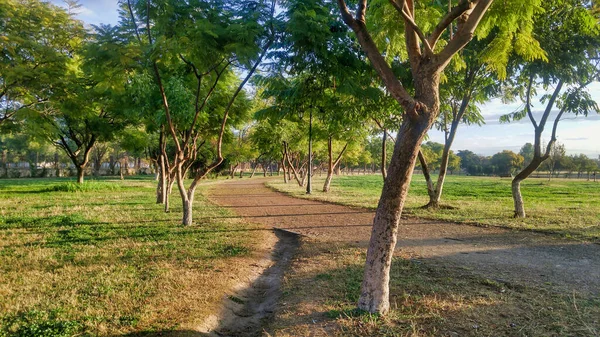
{"x":37,"y":324}
{"x":88,"y":186}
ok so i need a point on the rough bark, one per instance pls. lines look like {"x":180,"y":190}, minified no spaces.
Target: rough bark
{"x":374,"y":295}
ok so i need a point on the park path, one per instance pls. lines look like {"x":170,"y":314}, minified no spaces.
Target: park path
{"x":522,"y":257}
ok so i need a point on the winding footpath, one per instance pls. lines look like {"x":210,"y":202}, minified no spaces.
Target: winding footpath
{"x":505,"y":255}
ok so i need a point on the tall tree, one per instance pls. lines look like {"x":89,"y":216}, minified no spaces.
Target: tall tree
{"x":37,"y":40}
{"x":192,"y":49}
{"x":467,"y":83}
{"x":429,"y":50}
{"x":570,"y":36}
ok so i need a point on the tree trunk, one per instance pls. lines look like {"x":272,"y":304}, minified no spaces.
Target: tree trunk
{"x":518,"y":198}
{"x":254,"y":170}
{"x":332,"y":163}
{"x":430,"y":188}
{"x":285,"y":177}
{"x":80,"y":173}
{"x":374,"y":295}
{"x":161,"y":189}
{"x":169,"y":188}
{"x":187,"y":211}
{"x":516,"y":185}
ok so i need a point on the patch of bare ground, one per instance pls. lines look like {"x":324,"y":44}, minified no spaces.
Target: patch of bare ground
{"x":447,"y":280}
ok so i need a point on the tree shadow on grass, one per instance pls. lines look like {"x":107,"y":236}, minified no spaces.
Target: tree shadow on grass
{"x":428,"y":298}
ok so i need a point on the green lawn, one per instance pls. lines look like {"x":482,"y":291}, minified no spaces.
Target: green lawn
{"x":567,"y":207}
{"x":106,"y":259}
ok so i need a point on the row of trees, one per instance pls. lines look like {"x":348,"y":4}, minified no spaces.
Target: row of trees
{"x":326,"y":79}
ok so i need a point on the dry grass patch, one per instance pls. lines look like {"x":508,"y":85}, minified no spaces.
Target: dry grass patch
{"x":321,"y":291}
{"x":108,"y":260}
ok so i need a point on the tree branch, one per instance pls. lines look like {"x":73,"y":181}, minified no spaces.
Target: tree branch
{"x":409,"y":20}
{"x":528,"y":103}
{"x":390,"y":80}
{"x":465,"y":32}
{"x":447,"y":20}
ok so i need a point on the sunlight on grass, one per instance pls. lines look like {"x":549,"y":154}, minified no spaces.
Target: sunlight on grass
{"x":105,"y":258}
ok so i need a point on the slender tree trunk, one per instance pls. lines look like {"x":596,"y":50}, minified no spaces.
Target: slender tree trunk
{"x":518,"y":198}
{"x":169,"y":189}
{"x":384,"y":155}
{"x":285,"y":177}
{"x":327,"y":184}
{"x":292,"y":168}
{"x":516,"y":185}
{"x":332,"y":163}
{"x":254,"y":169}
{"x":161,"y":189}
{"x":425,"y":170}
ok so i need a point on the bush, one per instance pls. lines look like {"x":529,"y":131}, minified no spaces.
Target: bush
{"x":88,"y":186}
{"x":37,"y":324}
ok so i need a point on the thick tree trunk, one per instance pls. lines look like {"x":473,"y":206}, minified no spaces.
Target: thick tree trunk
{"x":187,"y":208}
{"x":80,"y":173}
{"x":374,"y":295}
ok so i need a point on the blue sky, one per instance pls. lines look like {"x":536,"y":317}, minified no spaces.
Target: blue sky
{"x":579,"y":135}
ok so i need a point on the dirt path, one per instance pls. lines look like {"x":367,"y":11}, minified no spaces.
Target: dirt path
{"x":504,"y":255}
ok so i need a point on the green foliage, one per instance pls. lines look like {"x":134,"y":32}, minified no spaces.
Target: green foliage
{"x":36,"y":323}
{"x":506,"y":162}
{"x":88,"y":186}
{"x":36,"y":44}
{"x":433,"y":152}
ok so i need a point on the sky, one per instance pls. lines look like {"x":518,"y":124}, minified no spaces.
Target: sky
{"x":579,"y":135}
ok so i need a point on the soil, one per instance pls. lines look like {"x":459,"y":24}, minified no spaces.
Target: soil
{"x":507,"y":256}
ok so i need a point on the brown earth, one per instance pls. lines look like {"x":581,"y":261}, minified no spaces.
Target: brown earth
{"x":505,"y":255}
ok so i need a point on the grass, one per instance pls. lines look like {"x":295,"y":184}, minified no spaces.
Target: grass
{"x":570,"y":208}
{"x":104,"y":259}
{"x":427,"y":299}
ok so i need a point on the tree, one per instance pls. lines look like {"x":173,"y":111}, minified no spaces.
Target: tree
{"x":570,"y":36}
{"x":555,"y":156}
{"x":465,"y":86}
{"x":37,"y":40}
{"x":193,"y":72}
{"x":506,"y":162}
{"x":527,"y":152}
{"x":429,"y":51}
{"x":470,"y":162}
